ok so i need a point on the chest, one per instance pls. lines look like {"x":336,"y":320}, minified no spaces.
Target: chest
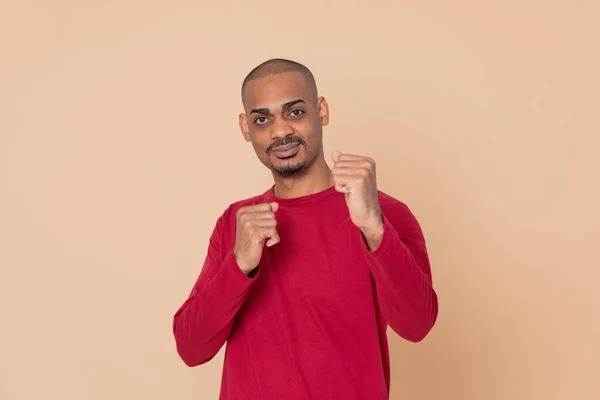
{"x":319,"y":263}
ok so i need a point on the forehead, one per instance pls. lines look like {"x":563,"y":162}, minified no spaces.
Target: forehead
{"x":273,"y":90}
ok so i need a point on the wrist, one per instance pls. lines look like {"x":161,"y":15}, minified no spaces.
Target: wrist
{"x":244,"y":267}
{"x":373,"y":232}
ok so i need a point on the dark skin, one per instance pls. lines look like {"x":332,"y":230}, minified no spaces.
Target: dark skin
{"x":283,"y":105}
{"x":282,"y":109}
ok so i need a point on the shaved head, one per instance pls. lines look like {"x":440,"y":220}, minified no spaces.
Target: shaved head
{"x":276,"y":66}
{"x":283,"y":117}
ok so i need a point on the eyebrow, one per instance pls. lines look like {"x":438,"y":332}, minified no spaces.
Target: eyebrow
{"x":285,"y":106}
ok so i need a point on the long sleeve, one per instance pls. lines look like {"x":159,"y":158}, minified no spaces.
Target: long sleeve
{"x":202,"y":324}
{"x":401,"y":270}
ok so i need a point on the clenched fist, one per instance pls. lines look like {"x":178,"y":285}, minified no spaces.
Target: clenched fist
{"x":355,"y":176}
{"x":255,"y":227}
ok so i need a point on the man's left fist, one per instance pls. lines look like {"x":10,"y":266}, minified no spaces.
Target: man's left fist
{"x":355,"y":176}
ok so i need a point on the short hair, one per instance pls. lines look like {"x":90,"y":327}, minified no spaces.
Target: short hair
{"x":277,"y":66}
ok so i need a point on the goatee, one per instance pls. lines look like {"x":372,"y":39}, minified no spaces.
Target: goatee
{"x":289,"y":169}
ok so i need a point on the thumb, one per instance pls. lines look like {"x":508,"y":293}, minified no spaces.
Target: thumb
{"x":273,"y":240}
{"x":274,"y":206}
{"x":335,"y":156}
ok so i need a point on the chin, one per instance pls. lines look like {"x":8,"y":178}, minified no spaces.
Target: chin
{"x":288,"y":168}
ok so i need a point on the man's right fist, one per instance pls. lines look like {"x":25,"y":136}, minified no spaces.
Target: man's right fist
{"x":255,"y":227}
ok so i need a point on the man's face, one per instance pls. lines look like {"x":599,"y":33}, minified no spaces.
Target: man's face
{"x":283,"y":119}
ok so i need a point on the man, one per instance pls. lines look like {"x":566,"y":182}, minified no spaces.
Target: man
{"x":302,"y":280}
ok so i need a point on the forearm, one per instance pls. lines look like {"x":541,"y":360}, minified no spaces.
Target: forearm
{"x":203,"y":323}
{"x":403,"y":281}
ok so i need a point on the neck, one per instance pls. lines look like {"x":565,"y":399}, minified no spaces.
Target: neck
{"x":316,"y":178}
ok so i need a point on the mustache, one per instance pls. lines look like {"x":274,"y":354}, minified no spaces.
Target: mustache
{"x":284,"y":141}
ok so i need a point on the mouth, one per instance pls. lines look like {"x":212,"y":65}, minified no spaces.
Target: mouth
{"x":286,"y":151}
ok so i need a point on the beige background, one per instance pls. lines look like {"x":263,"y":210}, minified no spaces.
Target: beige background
{"x":119,"y":148}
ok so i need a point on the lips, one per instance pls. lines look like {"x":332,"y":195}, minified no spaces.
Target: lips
{"x":287,"y":150}
{"x":286,"y":147}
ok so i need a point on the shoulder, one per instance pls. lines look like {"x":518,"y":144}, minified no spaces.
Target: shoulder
{"x":390,"y":203}
{"x":228,"y":215}
{"x":223,"y":231}
{"x":398,"y":214}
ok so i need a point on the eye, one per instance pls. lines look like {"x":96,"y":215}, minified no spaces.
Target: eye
{"x":260,"y":120}
{"x":296,"y":113}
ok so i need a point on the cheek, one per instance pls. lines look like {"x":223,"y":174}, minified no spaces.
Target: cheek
{"x":258,"y":146}
{"x":312,"y":134}
{"x":259,"y":138}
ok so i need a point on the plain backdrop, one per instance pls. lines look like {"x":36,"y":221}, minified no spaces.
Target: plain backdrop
{"x":119,"y":148}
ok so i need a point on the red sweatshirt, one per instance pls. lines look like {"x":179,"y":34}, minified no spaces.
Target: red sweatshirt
{"x":310,"y":323}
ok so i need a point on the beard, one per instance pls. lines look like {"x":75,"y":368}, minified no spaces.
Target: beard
{"x":291,"y":168}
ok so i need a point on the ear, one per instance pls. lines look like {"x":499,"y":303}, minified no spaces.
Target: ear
{"x":244,"y":127}
{"x":323,"y":109}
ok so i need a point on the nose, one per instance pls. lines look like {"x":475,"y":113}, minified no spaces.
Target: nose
{"x":281,"y":130}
